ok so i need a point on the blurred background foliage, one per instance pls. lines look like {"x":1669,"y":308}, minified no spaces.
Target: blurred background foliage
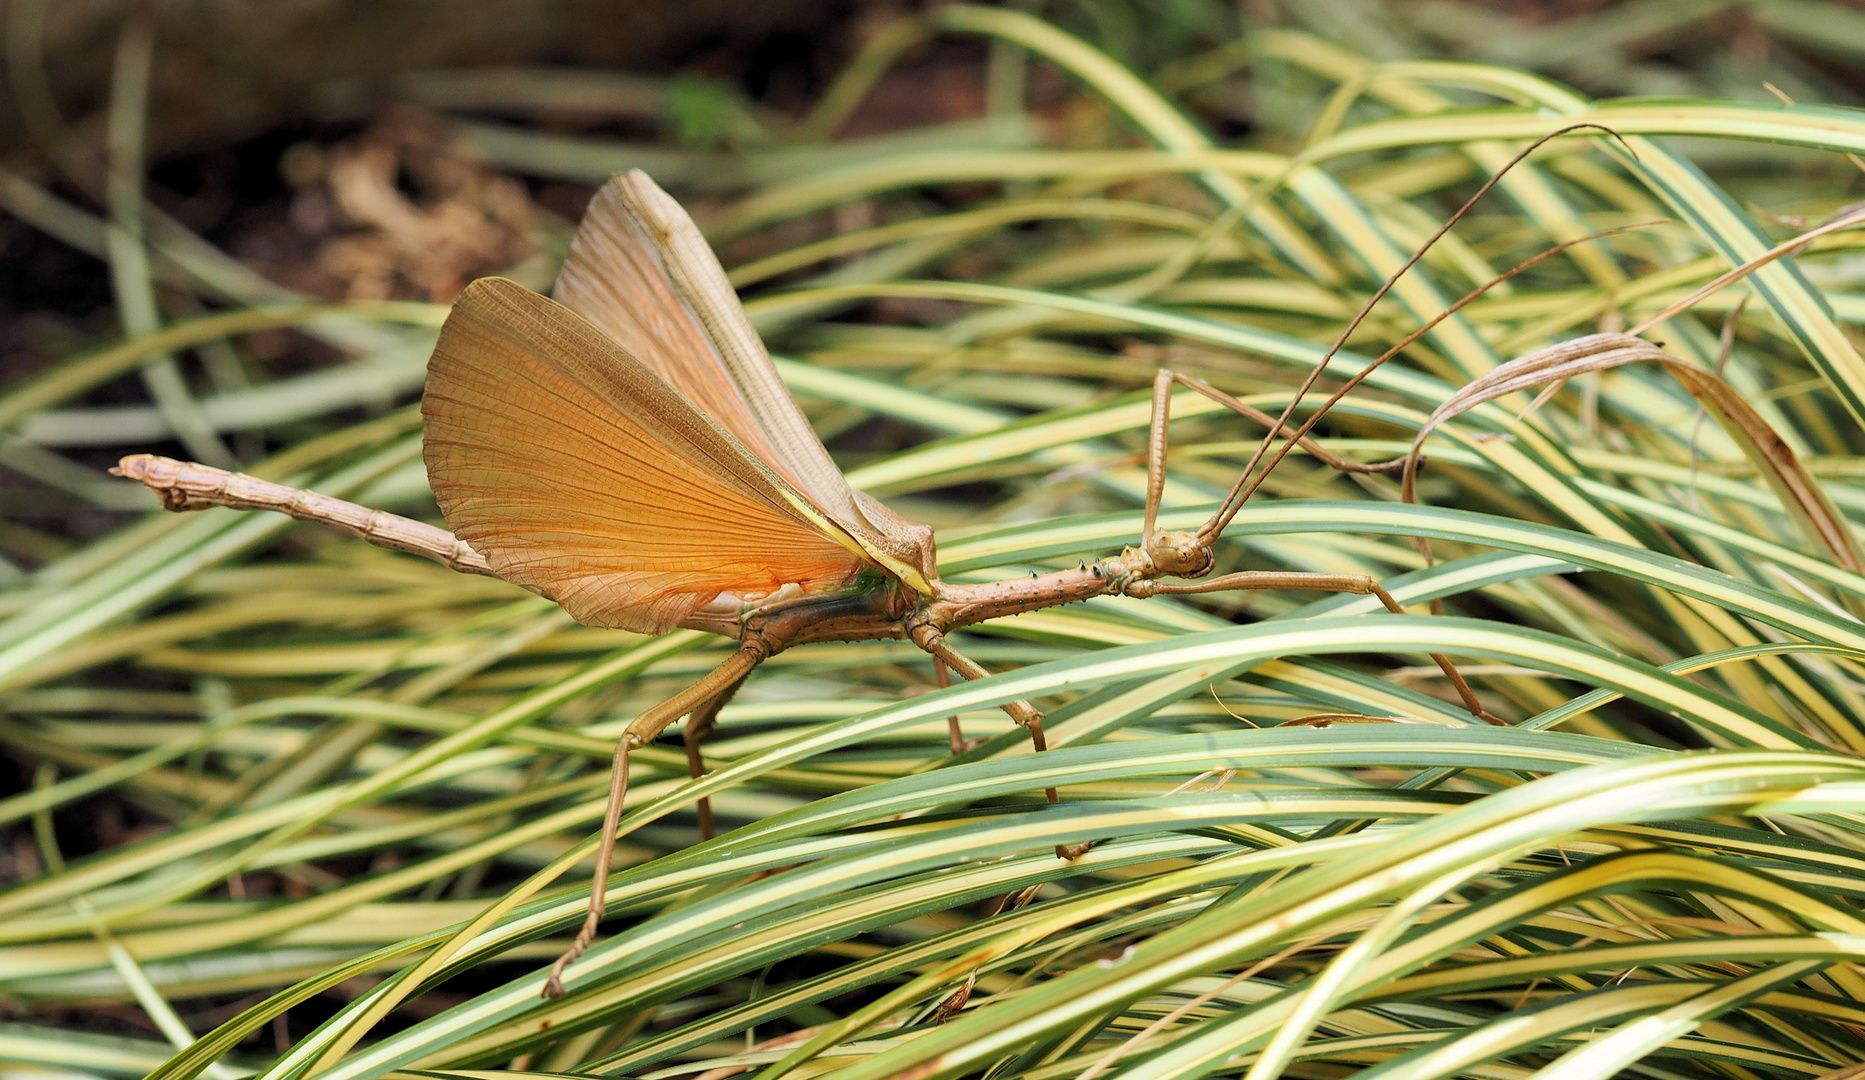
{"x":277,"y":802}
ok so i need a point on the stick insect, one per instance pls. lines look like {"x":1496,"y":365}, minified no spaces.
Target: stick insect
{"x":628,"y":450}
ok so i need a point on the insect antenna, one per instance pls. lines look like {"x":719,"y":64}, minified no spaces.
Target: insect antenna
{"x":1191,"y":555}
{"x":1250,"y":479}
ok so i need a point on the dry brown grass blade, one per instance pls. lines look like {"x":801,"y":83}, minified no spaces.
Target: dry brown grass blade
{"x":1813,"y":511}
{"x":1802,"y":496}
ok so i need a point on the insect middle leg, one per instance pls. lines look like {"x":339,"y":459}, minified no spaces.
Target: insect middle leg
{"x":942,"y":678}
{"x":1027,"y":716}
{"x":1358,"y":584}
{"x":699,"y":725}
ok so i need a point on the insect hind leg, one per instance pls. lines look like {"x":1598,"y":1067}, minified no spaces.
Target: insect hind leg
{"x":642,"y":731}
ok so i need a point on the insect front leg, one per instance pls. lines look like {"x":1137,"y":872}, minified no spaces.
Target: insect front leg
{"x":642,"y":731}
{"x":1179,"y":554}
{"x":1190,"y":554}
{"x":1358,"y":584}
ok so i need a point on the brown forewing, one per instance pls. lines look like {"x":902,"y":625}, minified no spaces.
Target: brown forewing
{"x":615,"y":276}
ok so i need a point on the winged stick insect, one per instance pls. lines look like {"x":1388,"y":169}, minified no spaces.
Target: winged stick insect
{"x":627,"y":449}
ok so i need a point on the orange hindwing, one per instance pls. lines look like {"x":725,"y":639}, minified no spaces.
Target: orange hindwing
{"x":639,"y":269}
{"x":582,"y":475}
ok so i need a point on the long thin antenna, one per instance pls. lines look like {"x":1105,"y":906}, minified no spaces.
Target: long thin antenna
{"x":1347,"y":387}
{"x":1238,"y":493}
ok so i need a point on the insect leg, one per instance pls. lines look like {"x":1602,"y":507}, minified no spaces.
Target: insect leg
{"x":1306,"y":442}
{"x":698,"y":726}
{"x":942,"y":676}
{"x":1358,"y":584}
{"x":1026,"y":715}
{"x":1156,"y":453}
{"x":185,"y":485}
{"x":639,"y":733}
{"x":1190,"y":554}
{"x":1163,"y":383}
